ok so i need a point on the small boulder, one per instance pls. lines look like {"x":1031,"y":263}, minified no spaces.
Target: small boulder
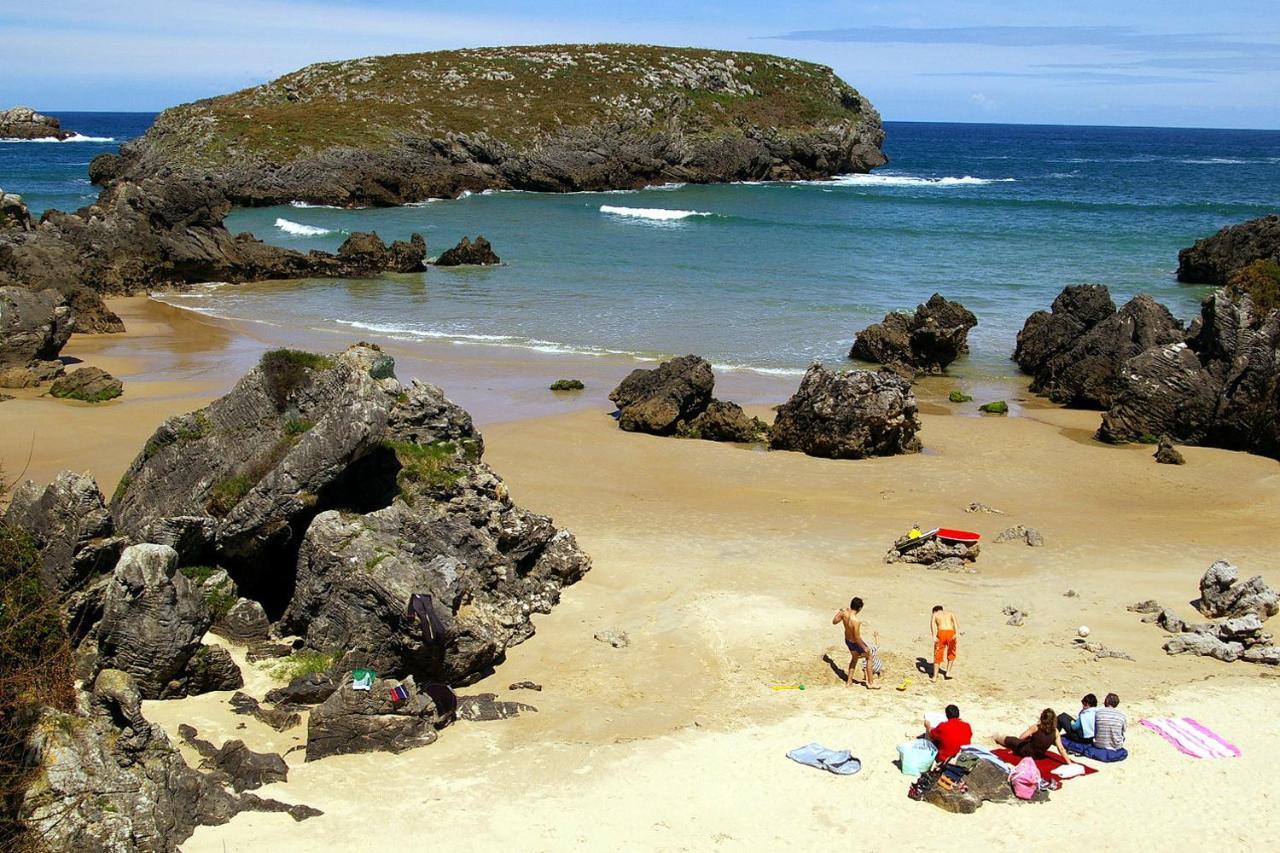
{"x":1167,"y":454}
{"x":1203,"y":644}
{"x":999,"y":407}
{"x":617,"y":639}
{"x":467,"y":253}
{"x":485,"y":707}
{"x":280,"y":719}
{"x":352,"y":721}
{"x":656,"y":401}
{"x":959,"y":397}
{"x":567,"y":385}
{"x":924,"y":342}
{"x":1021,"y":533}
{"x":87,"y":384}
{"x":850,"y":415}
{"x":724,"y":421}
{"x":245,"y":623}
{"x":525,"y":685}
{"x":310,"y":689}
{"x":1222,"y":594}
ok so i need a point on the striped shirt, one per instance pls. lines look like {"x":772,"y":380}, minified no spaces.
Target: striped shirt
{"x":1108,"y":728}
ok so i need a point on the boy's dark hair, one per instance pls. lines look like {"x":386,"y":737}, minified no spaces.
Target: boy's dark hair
{"x":1089,"y":700}
{"x":1112,"y":700}
{"x":937,"y":607}
{"x":855,"y":603}
{"x":953,"y":713}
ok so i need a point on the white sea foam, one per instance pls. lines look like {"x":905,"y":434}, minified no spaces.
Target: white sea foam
{"x":874,"y":180}
{"x":656,"y":214}
{"x":309,"y":204}
{"x":769,"y":371}
{"x":299,"y":230}
{"x":75,"y":137}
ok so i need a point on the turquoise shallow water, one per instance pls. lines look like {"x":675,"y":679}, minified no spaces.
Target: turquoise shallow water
{"x":773,"y":276}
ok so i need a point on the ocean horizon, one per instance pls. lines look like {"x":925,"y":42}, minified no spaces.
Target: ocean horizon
{"x":760,"y":276}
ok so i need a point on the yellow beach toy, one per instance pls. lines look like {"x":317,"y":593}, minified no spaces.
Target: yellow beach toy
{"x":906,"y":682}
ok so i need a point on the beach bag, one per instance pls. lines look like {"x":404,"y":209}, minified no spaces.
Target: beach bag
{"x":916,"y":756}
{"x":1025,"y":779}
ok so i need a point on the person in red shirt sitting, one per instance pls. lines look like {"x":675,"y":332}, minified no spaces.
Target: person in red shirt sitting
{"x":950,"y":735}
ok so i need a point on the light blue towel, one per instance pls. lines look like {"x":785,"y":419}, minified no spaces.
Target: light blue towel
{"x":987,"y":755}
{"x":839,"y":761}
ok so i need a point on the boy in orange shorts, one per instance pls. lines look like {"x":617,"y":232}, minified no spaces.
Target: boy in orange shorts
{"x":944,"y":627}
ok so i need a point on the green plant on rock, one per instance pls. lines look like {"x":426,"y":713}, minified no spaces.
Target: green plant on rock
{"x":305,"y":662}
{"x":228,"y":492}
{"x":999,"y":407}
{"x":298,"y":426}
{"x":959,"y":397}
{"x":220,"y":601}
{"x":64,"y":392}
{"x":286,"y":370}
{"x":1148,"y":438}
{"x":433,"y":465}
{"x":198,"y":574}
{"x":567,"y":385}
{"x":1260,"y":281}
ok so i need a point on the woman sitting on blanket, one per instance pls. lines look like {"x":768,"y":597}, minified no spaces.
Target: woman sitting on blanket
{"x":1035,"y":741}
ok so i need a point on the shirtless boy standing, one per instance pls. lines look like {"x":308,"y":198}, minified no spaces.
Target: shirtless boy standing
{"x":848,"y":617}
{"x":944,"y":627}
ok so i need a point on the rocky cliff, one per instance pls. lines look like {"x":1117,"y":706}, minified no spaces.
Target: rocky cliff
{"x":394,"y":129}
{"x":1214,"y":259}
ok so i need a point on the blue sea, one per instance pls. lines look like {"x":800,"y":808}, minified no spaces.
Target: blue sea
{"x":765,"y":277}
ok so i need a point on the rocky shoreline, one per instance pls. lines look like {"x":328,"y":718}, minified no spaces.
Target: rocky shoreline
{"x":25,"y":123}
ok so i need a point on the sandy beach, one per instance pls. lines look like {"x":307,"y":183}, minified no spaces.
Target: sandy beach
{"x":724,"y":566}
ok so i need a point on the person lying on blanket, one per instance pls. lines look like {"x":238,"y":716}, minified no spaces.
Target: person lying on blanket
{"x":1036,"y":741}
{"x":950,"y":735}
{"x":1108,"y":724}
{"x":1081,"y":728}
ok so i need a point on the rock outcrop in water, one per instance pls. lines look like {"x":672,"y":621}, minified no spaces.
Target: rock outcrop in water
{"x":166,"y":232}
{"x":1213,"y":260}
{"x":1218,"y":388}
{"x":466,"y":253}
{"x":924,"y":342}
{"x":849,"y":415}
{"x":393,"y":129}
{"x":1075,"y":352}
{"x":26,"y":123}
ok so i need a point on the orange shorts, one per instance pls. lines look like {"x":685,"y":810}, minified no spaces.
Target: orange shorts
{"x":946,"y":642}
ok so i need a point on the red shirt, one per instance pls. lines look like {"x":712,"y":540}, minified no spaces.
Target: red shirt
{"x":950,"y":736}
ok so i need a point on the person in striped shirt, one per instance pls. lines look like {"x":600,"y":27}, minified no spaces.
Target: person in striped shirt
{"x":1108,"y":724}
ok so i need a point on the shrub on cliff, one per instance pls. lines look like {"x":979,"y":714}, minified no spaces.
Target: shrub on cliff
{"x":36,"y":669}
{"x":1260,"y":281}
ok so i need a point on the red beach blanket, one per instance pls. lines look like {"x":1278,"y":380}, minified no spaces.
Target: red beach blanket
{"x":1045,"y":765}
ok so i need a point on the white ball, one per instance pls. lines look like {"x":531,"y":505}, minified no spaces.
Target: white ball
{"x":1083,"y":630}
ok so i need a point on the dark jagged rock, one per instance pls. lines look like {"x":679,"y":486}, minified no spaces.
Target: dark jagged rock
{"x":525,"y":685}
{"x":310,"y":689}
{"x":485,"y":707}
{"x":152,"y":620}
{"x":1222,"y":594}
{"x":280,"y":719}
{"x":1221,"y":388}
{"x":393,"y":129}
{"x":245,"y":623}
{"x":466,"y":253}
{"x":110,"y":781}
{"x":34,"y":326}
{"x":851,"y":415}
{"x":1213,"y":260}
{"x":210,"y":669}
{"x":14,"y":214}
{"x":26,"y":123}
{"x":351,"y":721}
{"x":69,"y":525}
{"x":656,"y":401}
{"x":1076,"y":352}
{"x":1167,"y":454}
{"x":163,"y":233}
{"x":724,"y":421}
{"x":924,"y":342}
{"x":87,"y":384}
{"x":933,"y":553}
{"x":245,"y":769}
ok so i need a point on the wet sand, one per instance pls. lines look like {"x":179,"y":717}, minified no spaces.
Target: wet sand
{"x":724,"y":565}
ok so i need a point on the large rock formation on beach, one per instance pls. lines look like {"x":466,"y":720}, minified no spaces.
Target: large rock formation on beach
{"x":25,"y":123}
{"x":107,"y":780}
{"x":167,"y":232}
{"x":1218,"y":388}
{"x":1076,"y":351}
{"x":333,"y":494}
{"x":924,"y":342}
{"x":1238,"y":610}
{"x":657,"y":400}
{"x":351,"y":721}
{"x":34,"y":326}
{"x":393,"y":129}
{"x":1215,"y":259}
{"x":849,"y":415}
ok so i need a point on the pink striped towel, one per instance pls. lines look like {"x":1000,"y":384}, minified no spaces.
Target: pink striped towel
{"x":1191,"y":738}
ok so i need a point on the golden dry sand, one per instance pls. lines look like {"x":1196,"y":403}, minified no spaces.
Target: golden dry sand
{"x":724,"y":565}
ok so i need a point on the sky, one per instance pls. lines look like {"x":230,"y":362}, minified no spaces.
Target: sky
{"x":1181,"y":63}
